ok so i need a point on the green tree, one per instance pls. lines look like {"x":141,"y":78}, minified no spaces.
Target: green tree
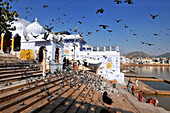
{"x":7,"y":16}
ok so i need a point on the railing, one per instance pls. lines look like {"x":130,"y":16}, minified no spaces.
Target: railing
{"x":107,"y":48}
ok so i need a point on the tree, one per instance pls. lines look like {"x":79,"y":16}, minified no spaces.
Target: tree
{"x":7,"y":16}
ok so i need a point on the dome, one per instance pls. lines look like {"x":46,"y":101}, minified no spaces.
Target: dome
{"x":35,"y":27}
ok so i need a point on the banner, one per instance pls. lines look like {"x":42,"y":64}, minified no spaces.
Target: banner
{"x":27,"y":54}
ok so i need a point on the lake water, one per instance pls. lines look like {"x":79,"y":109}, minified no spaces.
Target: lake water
{"x":162,"y":72}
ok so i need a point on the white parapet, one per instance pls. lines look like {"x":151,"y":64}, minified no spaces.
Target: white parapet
{"x":119,"y":77}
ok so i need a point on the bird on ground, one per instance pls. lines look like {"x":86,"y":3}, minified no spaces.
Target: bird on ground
{"x":34,"y":35}
{"x":22,"y":104}
{"x":26,"y":7}
{"x":128,"y":1}
{"x":153,"y":16}
{"x":118,"y":1}
{"x":104,"y":26}
{"x":20,"y":89}
{"x":118,"y":20}
{"x":45,"y":6}
{"x":100,"y":10}
{"x":58,"y":8}
{"x":83,"y":17}
{"x":64,"y":14}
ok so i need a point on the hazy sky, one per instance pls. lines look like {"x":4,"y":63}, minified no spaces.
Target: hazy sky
{"x":136,"y":16}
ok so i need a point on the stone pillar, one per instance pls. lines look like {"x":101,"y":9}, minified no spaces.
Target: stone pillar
{"x":2,"y":43}
{"x":104,"y":48}
{"x":12,"y":47}
{"x":44,"y":61}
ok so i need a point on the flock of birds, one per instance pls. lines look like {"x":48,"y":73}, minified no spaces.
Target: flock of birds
{"x":68,"y":77}
{"x":64,"y":19}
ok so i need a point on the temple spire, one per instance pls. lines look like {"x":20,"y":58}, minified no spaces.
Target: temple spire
{"x":36,"y":19}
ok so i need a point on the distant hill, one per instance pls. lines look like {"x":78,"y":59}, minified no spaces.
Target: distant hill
{"x":167,"y":55}
{"x":136,"y":54}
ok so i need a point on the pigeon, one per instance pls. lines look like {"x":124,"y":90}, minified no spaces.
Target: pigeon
{"x":147,"y":43}
{"x":109,"y":31}
{"x":118,"y":20}
{"x":104,"y":26}
{"x":22,"y":104}
{"x":155,"y":34}
{"x":89,"y":33}
{"x":128,"y":1}
{"x":45,"y":6}
{"x":100,"y":10}
{"x":118,"y":1}
{"x":45,"y":36}
{"x":126,"y":26}
{"x":34,"y":35}
{"x":97,"y":30}
{"x":153,"y":16}
{"x":79,"y":22}
{"x":20,"y":89}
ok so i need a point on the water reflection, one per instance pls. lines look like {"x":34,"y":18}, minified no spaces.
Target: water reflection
{"x":161,"y":72}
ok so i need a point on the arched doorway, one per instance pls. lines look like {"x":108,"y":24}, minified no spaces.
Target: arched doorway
{"x":40,"y":55}
{"x":57,"y":53}
{"x":17,"y":42}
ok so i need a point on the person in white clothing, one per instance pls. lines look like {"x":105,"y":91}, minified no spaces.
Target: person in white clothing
{"x":136,"y":82}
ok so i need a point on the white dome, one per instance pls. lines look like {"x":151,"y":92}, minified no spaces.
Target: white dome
{"x":35,"y":27}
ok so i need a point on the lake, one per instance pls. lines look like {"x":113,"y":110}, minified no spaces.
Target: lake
{"x":162,"y":72}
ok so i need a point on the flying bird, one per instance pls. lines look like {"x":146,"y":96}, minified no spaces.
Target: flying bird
{"x":118,"y":1}
{"x":134,"y":34}
{"x":128,"y":1}
{"x":100,"y":10}
{"x":146,"y":43}
{"x":156,"y":34}
{"x":104,"y":26}
{"x":45,"y":6}
{"x":153,"y":16}
{"x":97,"y":30}
{"x":79,"y":22}
{"x":118,"y":20}
{"x":34,"y":35}
{"x":126,"y":26}
{"x":89,"y":33}
{"x":109,"y":31}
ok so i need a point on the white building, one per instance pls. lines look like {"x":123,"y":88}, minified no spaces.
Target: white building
{"x":105,"y":59}
{"x":33,"y":38}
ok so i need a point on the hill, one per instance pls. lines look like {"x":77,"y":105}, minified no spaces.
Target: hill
{"x":136,"y":54}
{"x":167,"y":55}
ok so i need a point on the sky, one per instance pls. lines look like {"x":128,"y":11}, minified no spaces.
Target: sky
{"x":136,"y":16}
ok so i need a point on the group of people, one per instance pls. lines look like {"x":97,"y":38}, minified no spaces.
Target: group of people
{"x":150,"y":100}
{"x":153,"y":101}
{"x":65,"y":62}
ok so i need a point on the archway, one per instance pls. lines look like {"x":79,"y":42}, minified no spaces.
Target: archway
{"x":17,"y":42}
{"x":57,"y":53}
{"x":40,"y":55}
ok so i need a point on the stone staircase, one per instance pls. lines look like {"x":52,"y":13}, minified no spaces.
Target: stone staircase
{"x":24,"y":89}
